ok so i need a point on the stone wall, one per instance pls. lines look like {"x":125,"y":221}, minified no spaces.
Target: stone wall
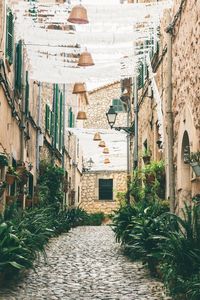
{"x":99,"y":103}
{"x":90,"y":191}
{"x":186,"y":98}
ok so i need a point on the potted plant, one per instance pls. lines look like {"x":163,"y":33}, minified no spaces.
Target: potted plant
{"x":3,"y":160}
{"x":11,"y":175}
{"x":3,"y":186}
{"x":146,"y":156}
{"x":194,"y":161}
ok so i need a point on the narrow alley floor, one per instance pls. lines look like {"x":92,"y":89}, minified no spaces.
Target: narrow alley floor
{"x":86,"y":264}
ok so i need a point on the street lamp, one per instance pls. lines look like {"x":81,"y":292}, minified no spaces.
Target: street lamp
{"x":88,"y":166}
{"x":111,"y":117}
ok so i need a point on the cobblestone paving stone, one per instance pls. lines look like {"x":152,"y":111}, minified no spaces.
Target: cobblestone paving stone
{"x":86,"y":264}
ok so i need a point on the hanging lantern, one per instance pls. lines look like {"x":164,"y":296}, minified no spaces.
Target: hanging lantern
{"x":85,"y":59}
{"x":106,"y":161}
{"x":81,"y":115}
{"x":106,"y":150}
{"x":102,"y":144}
{"x":97,"y":137}
{"x":78,"y":15}
{"x":79,"y":88}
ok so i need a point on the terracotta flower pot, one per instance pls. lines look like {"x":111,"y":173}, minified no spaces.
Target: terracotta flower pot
{"x":10,"y":178}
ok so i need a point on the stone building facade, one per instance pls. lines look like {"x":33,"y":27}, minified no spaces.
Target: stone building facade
{"x":185,"y":100}
{"x":100,"y":100}
{"x":90,"y":200}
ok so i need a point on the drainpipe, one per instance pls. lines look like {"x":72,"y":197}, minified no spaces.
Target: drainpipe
{"x":135,"y":151}
{"x":169,"y":120}
{"x":38,"y":129}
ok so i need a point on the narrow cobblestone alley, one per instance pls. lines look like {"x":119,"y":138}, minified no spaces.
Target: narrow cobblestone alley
{"x":86,"y":264}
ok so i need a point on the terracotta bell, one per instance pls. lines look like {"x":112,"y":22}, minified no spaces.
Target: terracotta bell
{"x":85,"y":59}
{"x":79,"y":88}
{"x":102,"y":144}
{"x":81,"y":115}
{"x":106,"y":161}
{"x":78,"y":15}
{"x":97,"y":137}
{"x":106,"y":150}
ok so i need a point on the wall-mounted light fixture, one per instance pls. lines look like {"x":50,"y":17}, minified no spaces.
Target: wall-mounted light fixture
{"x":111,"y":117}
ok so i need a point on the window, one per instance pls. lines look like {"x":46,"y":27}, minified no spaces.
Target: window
{"x":18,"y":69}
{"x":27,"y":95}
{"x":47,"y":118}
{"x":105,"y":189}
{"x":61,"y":123}
{"x":9,"y":36}
{"x":118,"y":105}
{"x":70,"y":118}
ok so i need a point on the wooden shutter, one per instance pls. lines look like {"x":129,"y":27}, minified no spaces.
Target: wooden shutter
{"x":52,"y":123}
{"x":118,"y":105}
{"x":47,"y":118}
{"x":57,"y":116}
{"x":18,"y":68}
{"x":27,"y":95}
{"x":61,"y":122}
{"x":9,"y":36}
{"x":141,"y":76}
{"x":105,"y":189}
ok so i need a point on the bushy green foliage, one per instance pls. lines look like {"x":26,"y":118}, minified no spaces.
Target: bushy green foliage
{"x":149,"y":182}
{"x":24,"y":234}
{"x":50,"y":183}
{"x":165,"y":242}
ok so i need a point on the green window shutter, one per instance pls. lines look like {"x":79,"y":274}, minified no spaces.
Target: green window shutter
{"x":118,"y":105}
{"x":47,"y":118}
{"x":105,"y":189}
{"x":57,"y":116}
{"x":70,"y":118}
{"x":52,"y":123}
{"x":18,"y":68}
{"x":141,"y":76}
{"x":27,"y":95}
{"x":61,"y":122}
{"x":9,"y":36}
{"x":73,"y":120}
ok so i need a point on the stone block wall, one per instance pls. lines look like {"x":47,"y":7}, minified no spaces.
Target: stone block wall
{"x":99,"y":103}
{"x":90,"y":190}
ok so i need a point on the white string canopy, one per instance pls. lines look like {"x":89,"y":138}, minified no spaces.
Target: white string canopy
{"x":116,"y":38}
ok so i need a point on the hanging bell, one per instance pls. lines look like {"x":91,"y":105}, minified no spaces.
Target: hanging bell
{"x":79,"y":88}
{"x":85,"y":59}
{"x":106,"y":150}
{"x":78,"y":15}
{"x":102,"y":144}
{"x":106,"y":161}
{"x":97,"y":137}
{"x":81,"y":115}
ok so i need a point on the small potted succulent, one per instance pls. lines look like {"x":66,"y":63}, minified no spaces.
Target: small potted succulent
{"x":11,"y":175}
{"x":194,"y":161}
